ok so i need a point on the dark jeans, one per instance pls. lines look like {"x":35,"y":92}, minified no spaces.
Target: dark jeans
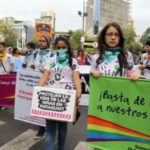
{"x":41,"y":129}
{"x":51,"y":127}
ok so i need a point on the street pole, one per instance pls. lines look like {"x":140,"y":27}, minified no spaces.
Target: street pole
{"x":83,"y":15}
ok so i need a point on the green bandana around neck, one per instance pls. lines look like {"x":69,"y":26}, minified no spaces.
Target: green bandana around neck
{"x":44,"y":52}
{"x":110,"y":53}
{"x":42,"y":55}
{"x":30,"y":52}
{"x":62,"y":58}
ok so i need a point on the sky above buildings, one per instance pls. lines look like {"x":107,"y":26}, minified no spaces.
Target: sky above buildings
{"x":66,"y":12}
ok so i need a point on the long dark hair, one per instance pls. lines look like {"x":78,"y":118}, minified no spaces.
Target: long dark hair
{"x":101,"y":44}
{"x":14,"y":51}
{"x":80,"y":50}
{"x":64,"y":39}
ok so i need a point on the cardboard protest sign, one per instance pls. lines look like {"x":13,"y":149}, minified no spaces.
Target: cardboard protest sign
{"x":119,"y":114}
{"x":84,"y":77}
{"x":54,"y":103}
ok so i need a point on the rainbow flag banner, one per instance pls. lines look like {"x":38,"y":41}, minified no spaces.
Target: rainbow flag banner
{"x":119,"y":114}
{"x":7,"y":90}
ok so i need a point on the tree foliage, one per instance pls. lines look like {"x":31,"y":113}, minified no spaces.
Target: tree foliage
{"x":75,"y":37}
{"x":145,"y":36}
{"x":130,"y":44}
{"x":135,"y":48}
{"x":8,"y":33}
{"x":129,"y":35}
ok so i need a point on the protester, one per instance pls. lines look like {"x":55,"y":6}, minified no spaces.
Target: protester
{"x":6,"y":62}
{"x":9,"y":50}
{"x":64,"y":73}
{"x":28,"y":61}
{"x":112,"y":59}
{"x":138,"y":59}
{"x":81,"y":58}
{"x":130,"y":59}
{"x":145,"y":61}
{"x":17,"y":60}
{"x":44,"y":53}
{"x":40,"y":62}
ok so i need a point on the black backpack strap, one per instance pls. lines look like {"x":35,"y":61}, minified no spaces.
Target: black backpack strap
{"x":3,"y":65}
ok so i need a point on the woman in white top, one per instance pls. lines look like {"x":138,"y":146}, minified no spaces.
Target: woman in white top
{"x":31,"y":54}
{"x":145,"y":61}
{"x":6,"y":61}
{"x":42,"y":59}
{"x":112,"y":59}
{"x":64,"y":73}
{"x":17,"y":59}
{"x":44,"y":53}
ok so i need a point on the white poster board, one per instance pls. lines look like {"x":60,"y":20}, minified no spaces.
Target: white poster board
{"x":26,"y":80}
{"x":54,"y":103}
{"x":84,"y":71}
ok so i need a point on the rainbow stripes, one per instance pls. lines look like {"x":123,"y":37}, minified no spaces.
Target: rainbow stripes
{"x":102,"y":130}
{"x":11,"y":97}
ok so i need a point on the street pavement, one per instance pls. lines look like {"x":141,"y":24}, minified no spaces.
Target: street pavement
{"x":18,"y":135}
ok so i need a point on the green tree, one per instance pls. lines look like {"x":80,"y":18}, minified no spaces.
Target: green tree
{"x":145,"y":36}
{"x":135,"y":48}
{"x":9,"y":34}
{"x":75,"y":37}
{"x":129,"y":36}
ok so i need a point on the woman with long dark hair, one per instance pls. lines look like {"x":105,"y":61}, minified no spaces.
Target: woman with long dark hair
{"x":64,"y":74}
{"x":112,"y":59}
{"x":81,"y":58}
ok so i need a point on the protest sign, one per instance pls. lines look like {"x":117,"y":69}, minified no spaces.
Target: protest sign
{"x":7,"y":90}
{"x":54,"y":103}
{"x":84,"y":77}
{"x":26,"y":80}
{"x":119,"y":114}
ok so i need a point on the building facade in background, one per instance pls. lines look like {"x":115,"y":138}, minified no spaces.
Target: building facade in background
{"x":101,"y":12}
{"x":24,"y":29}
{"x":46,"y":23}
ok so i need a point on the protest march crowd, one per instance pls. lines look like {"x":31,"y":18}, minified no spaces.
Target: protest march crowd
{"x":62,"y":68}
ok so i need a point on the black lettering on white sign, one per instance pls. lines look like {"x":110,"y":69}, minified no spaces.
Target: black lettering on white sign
{"x":85,"y":83}
{"x":53,"y":101}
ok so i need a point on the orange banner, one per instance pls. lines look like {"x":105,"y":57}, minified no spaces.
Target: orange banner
{"x":42,"y":28}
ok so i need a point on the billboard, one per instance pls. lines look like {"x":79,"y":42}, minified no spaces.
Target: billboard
{"x":42,"y":28}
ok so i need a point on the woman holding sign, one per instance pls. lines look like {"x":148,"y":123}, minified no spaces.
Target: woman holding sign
{"x":112,"y":59}
{"x":39,"y":62}
{"x":64,"y":73}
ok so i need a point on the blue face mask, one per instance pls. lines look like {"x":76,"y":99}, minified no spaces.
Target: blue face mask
{"x":62,"y":58}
